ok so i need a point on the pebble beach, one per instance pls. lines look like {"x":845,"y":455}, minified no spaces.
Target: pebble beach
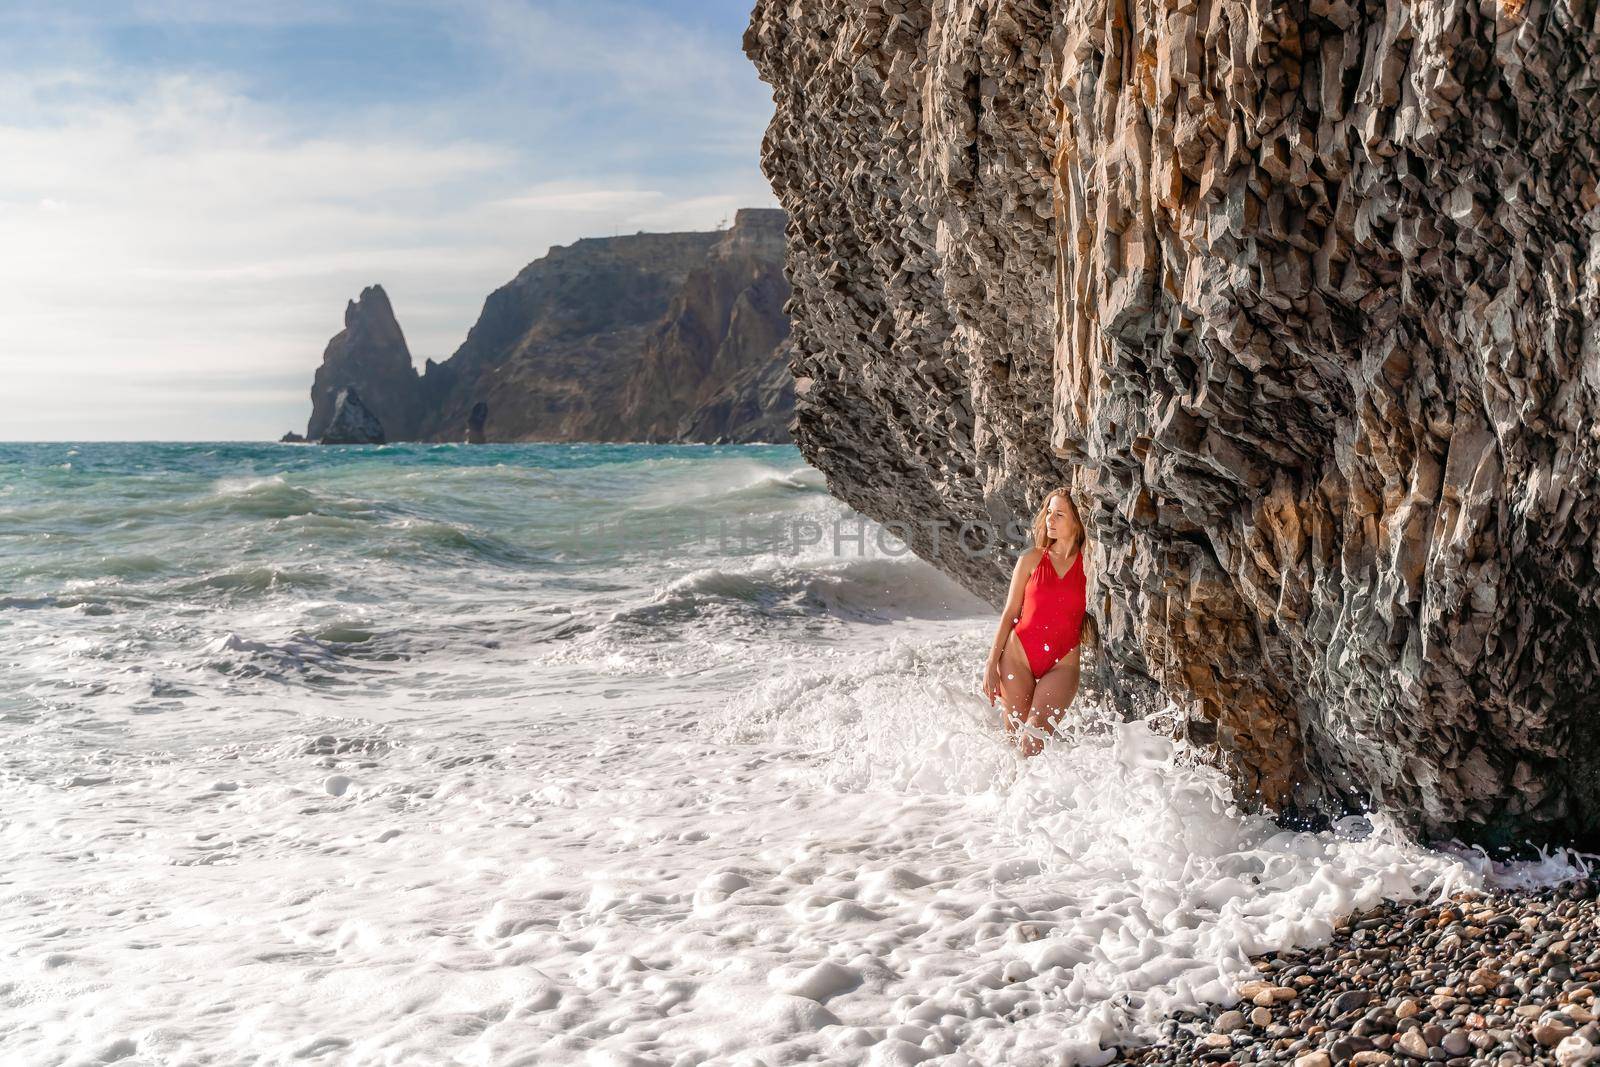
{"x":1484,"y":978}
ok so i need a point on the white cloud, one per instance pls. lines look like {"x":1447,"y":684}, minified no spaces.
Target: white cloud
{"x":174,"y":229}
{"x":183,"y":228}
{"x":619,"y":49}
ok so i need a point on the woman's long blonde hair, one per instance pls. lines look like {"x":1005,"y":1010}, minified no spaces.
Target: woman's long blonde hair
{"x":1041,"y":539}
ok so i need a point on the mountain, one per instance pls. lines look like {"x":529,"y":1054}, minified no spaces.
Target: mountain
{"x":646,"y":337}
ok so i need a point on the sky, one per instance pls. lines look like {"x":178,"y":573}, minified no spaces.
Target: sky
{"x":191,"y":190}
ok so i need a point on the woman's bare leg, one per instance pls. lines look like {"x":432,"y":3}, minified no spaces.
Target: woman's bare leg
{"x":1016,"y":683}
{"x":1052,"y":696}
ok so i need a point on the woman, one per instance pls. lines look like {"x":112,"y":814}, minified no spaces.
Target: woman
{"x":1033,"y":666}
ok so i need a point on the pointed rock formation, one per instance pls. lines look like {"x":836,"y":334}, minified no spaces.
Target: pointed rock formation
{"x":1304,"y":301}
{"x":370,"y":354}
{"x":353,"y":423}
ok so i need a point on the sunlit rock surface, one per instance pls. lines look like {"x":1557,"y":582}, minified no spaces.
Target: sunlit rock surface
{"x":1305,"y":304}
{"x":370,"y":354}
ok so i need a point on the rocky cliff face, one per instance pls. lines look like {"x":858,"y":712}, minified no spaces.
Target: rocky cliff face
{"x":552,"y":351}
{"x":756,"y":404}
{"x":649,"y":337}
{"x":1304,"y":301}
{"x":718,"y":343}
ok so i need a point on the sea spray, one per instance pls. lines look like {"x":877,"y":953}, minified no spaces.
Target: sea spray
{"x":360,"y":754}
{"x":1139,"y":886}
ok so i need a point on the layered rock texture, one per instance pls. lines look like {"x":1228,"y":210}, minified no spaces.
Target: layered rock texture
{"x":713,"y":367}
{"x":649,"y":337}
{"x":1303,"y":301}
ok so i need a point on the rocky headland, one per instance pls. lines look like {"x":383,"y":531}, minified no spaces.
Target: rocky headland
{"x":1304,"y":303}
{"x":648,"y":337}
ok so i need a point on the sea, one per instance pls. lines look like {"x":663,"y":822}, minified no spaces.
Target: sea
{"x":538,"y":754}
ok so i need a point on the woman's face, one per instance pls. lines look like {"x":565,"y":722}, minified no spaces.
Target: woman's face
{"x":1057,"y":519}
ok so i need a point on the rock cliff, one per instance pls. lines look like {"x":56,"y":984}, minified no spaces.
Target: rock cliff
{"x":648,"y":337}
{"x":371,"y":354}
{"x":477,"y":419}
{"x":1302,"y":299}
{"x":704,"y":366}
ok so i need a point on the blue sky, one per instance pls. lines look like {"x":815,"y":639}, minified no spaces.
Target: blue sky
{"x":193,"y":189}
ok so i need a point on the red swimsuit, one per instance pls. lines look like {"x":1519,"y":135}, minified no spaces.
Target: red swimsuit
{"x":1052,"y":613}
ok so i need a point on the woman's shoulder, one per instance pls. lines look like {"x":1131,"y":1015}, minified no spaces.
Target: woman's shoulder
{"x":1030,"y":558}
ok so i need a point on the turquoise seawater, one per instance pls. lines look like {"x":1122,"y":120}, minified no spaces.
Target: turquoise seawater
{"x":130,"y":518}
{"x":183,"y":581}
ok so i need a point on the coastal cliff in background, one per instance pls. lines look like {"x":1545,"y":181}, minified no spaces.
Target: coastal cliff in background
{"x":717,"y":365}
{"x":648,"y":337}
{"x":1305,"y":304}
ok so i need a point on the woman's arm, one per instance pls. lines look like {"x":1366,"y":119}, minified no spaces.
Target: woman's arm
{"x":1013,"y":608}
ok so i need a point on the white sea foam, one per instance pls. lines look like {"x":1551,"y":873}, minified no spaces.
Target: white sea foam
{"x":729,"y":809}
{"x":844,"y":864}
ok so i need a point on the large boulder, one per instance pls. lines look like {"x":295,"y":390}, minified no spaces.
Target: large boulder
{"x":352,"y":422}
{"x":1304,"y":302}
